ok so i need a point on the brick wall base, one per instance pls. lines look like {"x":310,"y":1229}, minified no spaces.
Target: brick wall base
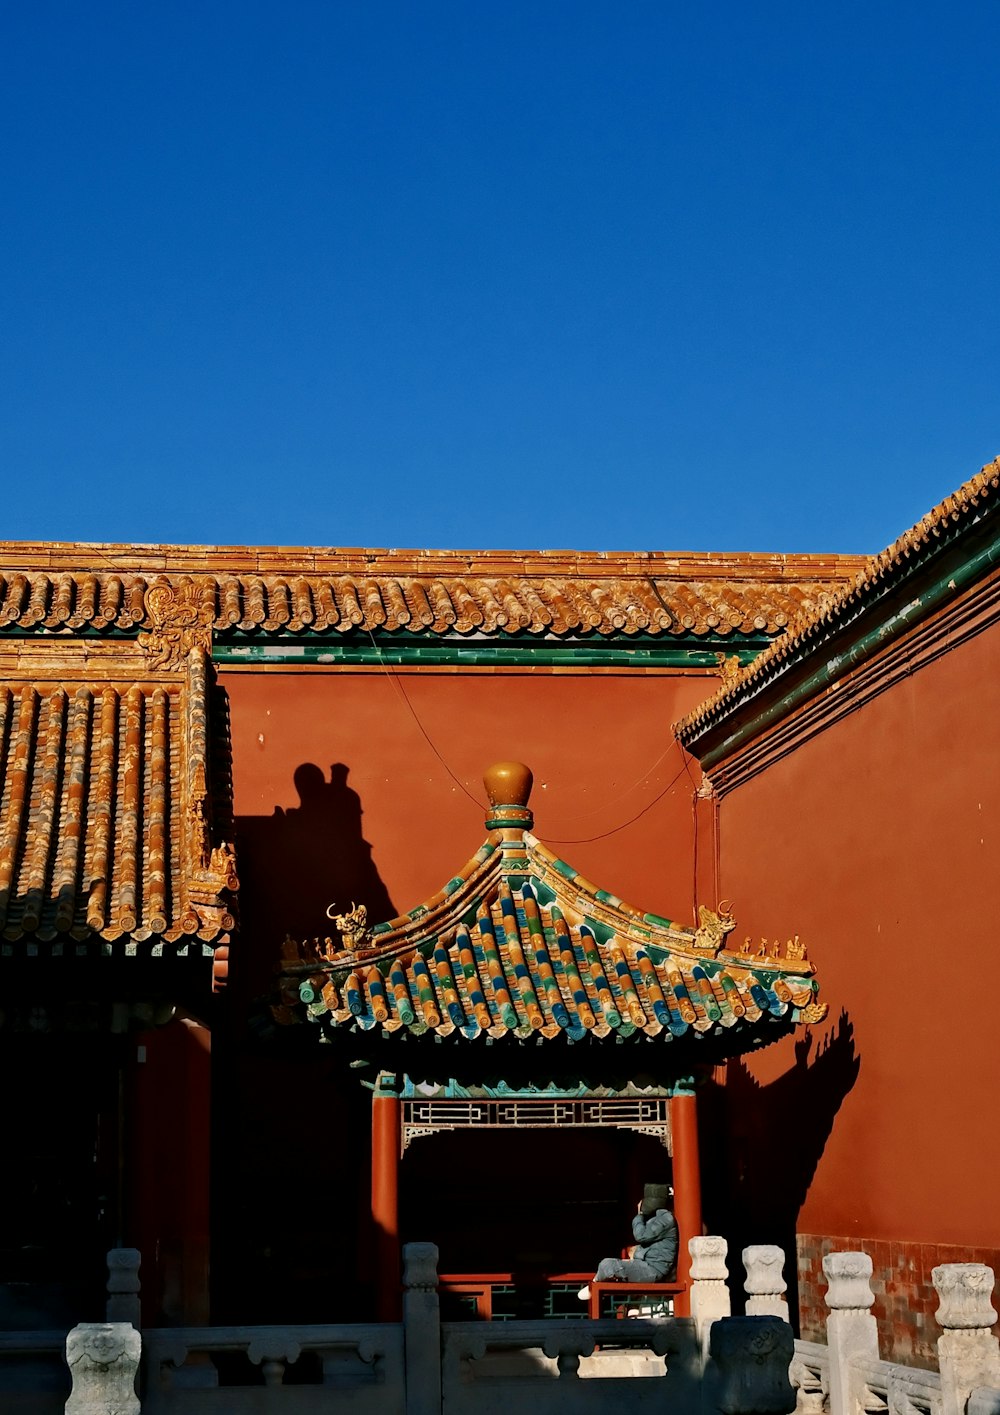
{"x":905,"y":1300}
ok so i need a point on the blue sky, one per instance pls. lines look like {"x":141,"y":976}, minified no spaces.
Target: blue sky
{"x":594,"y":275}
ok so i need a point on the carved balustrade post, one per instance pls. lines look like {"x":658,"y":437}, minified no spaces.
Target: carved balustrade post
{"x":748,"y":1371}
{"x":421,"y":1329}
{"x":968,"y":1352}
{"x":709,"y":1294}
{"x":765,"y":1283}
{"x":123,"y":1286}
{"x":273,"y":1351}
{"x":567,"y":1349}
{"x":103,"y":1358}
{"x":851,"y":1330}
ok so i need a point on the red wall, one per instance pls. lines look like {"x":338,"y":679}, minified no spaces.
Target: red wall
{"x":599,"y":745}
{"x":877,"y":841}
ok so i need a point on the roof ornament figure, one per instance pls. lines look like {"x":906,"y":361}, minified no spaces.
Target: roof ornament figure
{"x":351,"y":925}
{"x":713,"y":927}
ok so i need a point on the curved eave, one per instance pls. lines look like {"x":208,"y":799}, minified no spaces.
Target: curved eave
{"x":440,"y":913}
{"x":518,"y":947}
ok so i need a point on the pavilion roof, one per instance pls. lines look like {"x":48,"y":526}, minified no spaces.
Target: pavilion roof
{"x":114,"y":796}
{"x":518,"y":945}
{"x":279,"y":591}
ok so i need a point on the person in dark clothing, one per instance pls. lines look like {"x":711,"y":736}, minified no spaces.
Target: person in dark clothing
{"x":654,"y":1256}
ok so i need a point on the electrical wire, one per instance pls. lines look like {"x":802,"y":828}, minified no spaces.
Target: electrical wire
{"x":554,"y":840}
{"x":394,"y":680}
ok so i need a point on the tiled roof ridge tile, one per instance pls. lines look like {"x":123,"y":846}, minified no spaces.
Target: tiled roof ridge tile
{"x":505,"y":605}
{"x":965,"y":504}
{"x":112,"y":557}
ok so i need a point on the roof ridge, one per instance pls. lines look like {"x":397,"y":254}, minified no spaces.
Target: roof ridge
{"x":916,"y":542}
{"x":590,"y":597}
{"x":115,"y":557}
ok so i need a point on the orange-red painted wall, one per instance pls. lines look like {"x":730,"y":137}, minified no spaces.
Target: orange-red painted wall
{"x":877,"y":841}
{"x":599,"y":745}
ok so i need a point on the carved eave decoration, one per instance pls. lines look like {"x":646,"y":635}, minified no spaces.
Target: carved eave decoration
{"x":180,"y":617}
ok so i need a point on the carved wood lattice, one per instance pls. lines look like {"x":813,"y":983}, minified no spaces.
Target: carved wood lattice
{"x":646,"y":1116}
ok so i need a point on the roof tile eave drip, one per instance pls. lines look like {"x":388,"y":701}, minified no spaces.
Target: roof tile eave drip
{"x":558,"y":601}
{"x":880,"y":575}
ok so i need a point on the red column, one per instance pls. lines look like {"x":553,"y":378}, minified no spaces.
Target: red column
{"x":687,"y":1186}
{"x":386,"y":1142}
{"x":168,"y":1190}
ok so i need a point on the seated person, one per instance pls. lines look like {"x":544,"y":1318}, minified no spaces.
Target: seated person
{"x":653,"y":1258}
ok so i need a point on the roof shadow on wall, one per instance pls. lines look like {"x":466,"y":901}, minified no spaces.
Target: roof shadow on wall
{"x":776,"y":1136}
{"x":295,"y":863}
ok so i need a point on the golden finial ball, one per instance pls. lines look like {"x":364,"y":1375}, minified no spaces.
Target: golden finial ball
{"x":508,"y":784}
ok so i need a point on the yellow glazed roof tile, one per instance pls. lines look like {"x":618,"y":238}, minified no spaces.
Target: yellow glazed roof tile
{"x":552,"y":593}
{"x":834,"y":606}
{"x":106,"y":810}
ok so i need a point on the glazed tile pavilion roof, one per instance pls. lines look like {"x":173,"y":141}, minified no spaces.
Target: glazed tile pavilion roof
{"x":518,"y":945}
{"x":108,"y":788}
{"x":80,"y":589}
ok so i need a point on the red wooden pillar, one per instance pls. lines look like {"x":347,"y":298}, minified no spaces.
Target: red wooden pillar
{"x":687,"y":1186}
{"x":386,"y":1144}
{"x":167,"y":1142}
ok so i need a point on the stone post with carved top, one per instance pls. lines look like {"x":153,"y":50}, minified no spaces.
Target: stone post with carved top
{"x":421,"y":1329}
{"x":710,"y":1300}
{"x":851,"y":1330}
{"x":968,"y":1352}
{"x":765,"y":1282}
{"x":123,"y":1286}
{"x":748,"y":1370}
{"x":103,"y":1358}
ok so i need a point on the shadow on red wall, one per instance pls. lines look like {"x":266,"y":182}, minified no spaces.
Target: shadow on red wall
{"x":766,"y":1142}
{"x":292,"y":1129}
{"x":295,"y":864}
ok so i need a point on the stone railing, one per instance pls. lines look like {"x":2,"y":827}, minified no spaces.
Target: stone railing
{"x":217,"y":1369}
{"x":49,"y":1372}
{"x":699,"y":1365}
{"x":423,"y":1366}
{"x":34,"y":1379}
{"x":847,"y":1375}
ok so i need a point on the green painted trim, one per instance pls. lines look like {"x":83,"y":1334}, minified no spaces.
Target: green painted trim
{"x":950,"y":580}
{"x":433,"y":650}
{"x":427,"y":652}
